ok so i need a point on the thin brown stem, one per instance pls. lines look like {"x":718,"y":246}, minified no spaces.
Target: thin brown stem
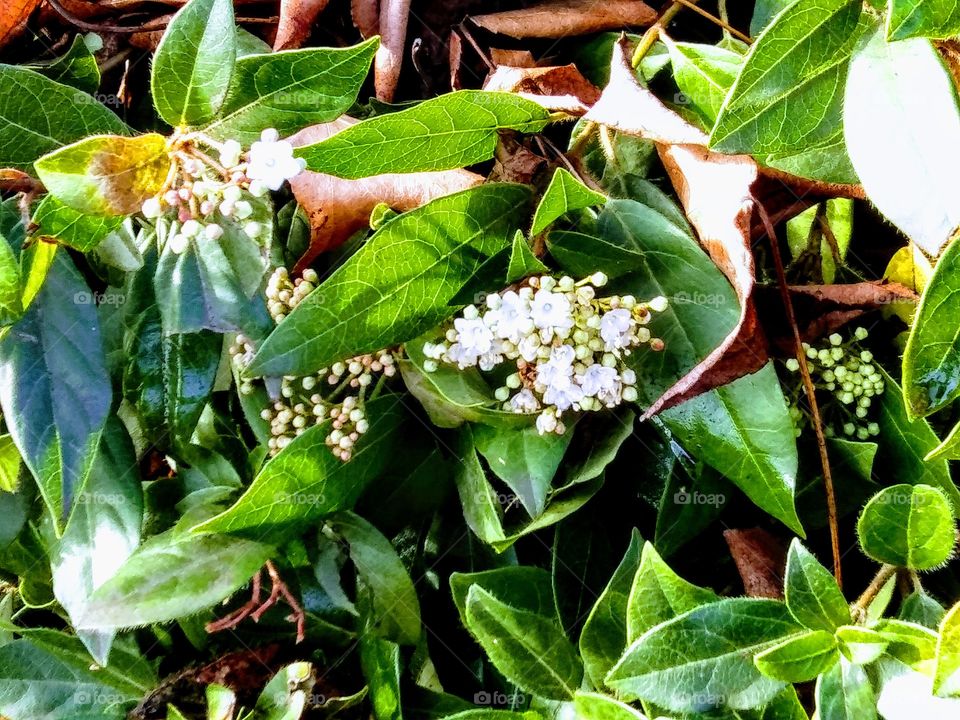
{"x":876,"y":585}
{"x":717,"y":21}
{"x":808,"y":388}
{"x":653,"y":32}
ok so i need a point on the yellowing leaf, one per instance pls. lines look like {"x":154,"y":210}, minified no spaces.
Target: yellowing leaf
{"x":106,"y":174}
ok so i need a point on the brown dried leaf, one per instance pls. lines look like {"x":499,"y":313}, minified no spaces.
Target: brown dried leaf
{"x":761,"y":560}
{"x":559,"y":87}
{"x":514,"y":58}
{"x":560,"y":18}
{"x":296,"y":21}
{"x":455,"y":60}
{"x":13,"y":17}
{"x":366,"y":17}
{"x":393,"y":38}
{"x":337,"y":208}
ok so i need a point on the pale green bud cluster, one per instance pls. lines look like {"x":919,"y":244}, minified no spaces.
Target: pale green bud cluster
{"x":848,"y":381}
{"x":336,"y":393}
{"x":568,"y":345}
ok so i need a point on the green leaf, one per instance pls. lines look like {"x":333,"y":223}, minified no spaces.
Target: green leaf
{"x":523,"y":263}
{"x":909,"y":526}
{"x":524,"y":459}
{"x":604,"y":634}
{"x":931,"y":361}
{"x":380,"y":662}
{"x":658,"y":594}
{"x":394,"y":599}
{"x":763,"y":13}
{"x":11,"y":303}
{"x":194,"y":62}
{"x":106,"y":174}
{"x":285,"y":696}
{"x":786,"y":106}
{"x":704,"y":75}
{"x":741,"y":429}
{"x":909,"y":445}
{"x":36,"y":684}
{"x":306,"y":482}
{"x":529,"y":649}
{"x":860,"y":645}
{"x":481,"y":510}
{"x":909,"y":643}
{"x":564,"y":194}
{"x":77,"y":67}
{"x":812,"y":594}
{"x":521,"y":586}
{"x":103,"y":531}
{"x":801,"y":658}
{"x":38,"y":115}
{"x":844,"y":692}
{"x":450,"y":131}
{"x":71,"y":228}
{"x":491,"y":714}
{"x":292,"y":89}
{"x":9,"y":465}
{"x":920,"y":608}
{"x":704,"y":658}
{"x":54,"y":388}
{"x":169,"y":378}
{"x":905,"y":178}
{"x":171,"y":576}
{"x":946,"y":679}
{"x":594,"y":706}
{"x":922,"y":18}
{"x":838,"y":214}
{"x":397,"y":286}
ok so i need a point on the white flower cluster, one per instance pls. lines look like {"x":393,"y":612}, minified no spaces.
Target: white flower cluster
{"x":201,"y":193}
{"x":568,"y":345}
{"x":848,"y":375}
{"x":336,"y":393}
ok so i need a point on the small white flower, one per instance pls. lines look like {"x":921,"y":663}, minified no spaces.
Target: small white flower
{"x":213,"y":231}
{"x":562,"y":393}
{"x":615,"y":328}
{"x":271,"y":161}
{"x":179,"y":243}
{"x":512,"y":317}
{"x":551,"y":310}
{"x":558,"y":368}
{"x":488,"y":361}
{"x":546,"y":422}
{"x":658,"y":304}
{"x":152,"y":208}
{"x":230,"y":154}
{"x":524,"y":402}
{"x":473,"y":336}
{"x":529,"y":347}
{"x":598,"y":379}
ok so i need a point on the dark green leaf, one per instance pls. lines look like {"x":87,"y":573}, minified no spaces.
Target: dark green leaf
{"x":523,"y":263}
{"x":380,"y":662}
{"x":920,"y":608}
{"x":564,"y":194}
{"x":800,"y":658}
{"x":844,"y":692}
{"x":399,"y":284}
{"x":194,"y":62}
{"x":812,"y":594}
{"x":450,"y":131}
{"x":520,"y":586}
{"x":77,"y":67}
{"x":70,"y":227}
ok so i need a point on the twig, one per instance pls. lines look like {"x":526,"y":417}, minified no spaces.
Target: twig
{"x":876,"y":585}
{"x":466,"y":35}
{"x":255,"y":608}
{"x":149,"y":26}
{"x":810,"y":391}
{"x":717,"y":21}
{"x":653,"y":32}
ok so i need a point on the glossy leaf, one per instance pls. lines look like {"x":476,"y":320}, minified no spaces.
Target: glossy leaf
{"x":77,"y":67}
{"x":705,"y":657}
{"x":106,"y":174}
{"x":920,"y":608}
{"x":54,"y":387}
{"x":904,"y":179}
{"x":481,"y":511}
{"x":11,"y":303}
{"x":523,"y":263}
{"x":844,"y":692}
{"x":290,"y":90}
{"x":946,"y":679}
{"x":399,"y":282}
{"x":860,"y":645}
{"x":447,"y":132}
{"x":594,"y":706}
{"x":520,"y":586}
{"x":194,"y":62}
{"x":922,"y":18}
{"x":801,"y":658}
{"x":70,"y":227}
{"x":658,"y":594}
{"x":704,"y":75}
{"x":38,"y":115}
{"x":380,"y":662}
{"x":306,"y":482}
{"x":908,"y":525}
{"x":564,"y":194}
{"x":604,"y":634}
{"x":812,"y":594}
{"x":785,"y":107}
{"x":529,"y":649}
{"x":931,"y":361}
{"x":394,"y":600}
{"x":171,"y":576}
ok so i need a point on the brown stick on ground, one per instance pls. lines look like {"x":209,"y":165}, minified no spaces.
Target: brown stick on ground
{"x":809,"y":390}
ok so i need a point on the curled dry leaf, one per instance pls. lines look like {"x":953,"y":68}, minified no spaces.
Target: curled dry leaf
{"x":296,"y":21}
{"x":514,"y":58}
{"x":366,"y":17}
{"x":337,"y":208}
{"x":559,"y":87}
{"x":13,"y":16}
{"x":560,"y":18}
{"x":393,"y":38}
{"x":761,"y":559}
